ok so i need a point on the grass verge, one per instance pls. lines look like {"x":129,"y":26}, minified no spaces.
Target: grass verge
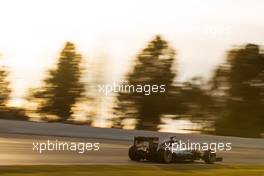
{"x":129,"y":170}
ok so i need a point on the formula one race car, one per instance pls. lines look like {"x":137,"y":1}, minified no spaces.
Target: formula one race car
{"x":149,"y":148}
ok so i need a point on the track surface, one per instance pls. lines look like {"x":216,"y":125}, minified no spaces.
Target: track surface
{"x":18,"y":150}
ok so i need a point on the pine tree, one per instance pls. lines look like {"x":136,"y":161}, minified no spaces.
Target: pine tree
{"x":239,"y":82}
{"x":154,"y":67}
{"x":4,"y":87}
{"x":63,"y":87}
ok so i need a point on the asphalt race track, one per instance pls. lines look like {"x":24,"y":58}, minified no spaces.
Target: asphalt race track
{"x":17,"y":149}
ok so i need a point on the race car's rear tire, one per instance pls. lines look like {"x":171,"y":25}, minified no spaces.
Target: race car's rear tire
{"x":132,"y":153}
{"x":209,"y":157}
{"x":164,"y":156}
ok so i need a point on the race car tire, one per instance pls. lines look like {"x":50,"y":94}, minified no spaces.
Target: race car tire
{"x":209,"y":157}
{"x":164,"y":156}
{"x":132,"y":153}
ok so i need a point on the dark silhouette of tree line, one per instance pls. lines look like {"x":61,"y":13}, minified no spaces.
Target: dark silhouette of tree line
{"x":231,"y":102}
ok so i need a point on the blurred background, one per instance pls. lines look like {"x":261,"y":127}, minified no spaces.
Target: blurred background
{"x":209,"y":54}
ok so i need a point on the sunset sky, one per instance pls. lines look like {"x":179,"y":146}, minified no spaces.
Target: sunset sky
{"x":32,"y":32}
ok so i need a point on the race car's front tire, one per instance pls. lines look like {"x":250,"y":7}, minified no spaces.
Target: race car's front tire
{"x":133,"y":155}
{"x":209,"y":157}
{"x":164,"y":156}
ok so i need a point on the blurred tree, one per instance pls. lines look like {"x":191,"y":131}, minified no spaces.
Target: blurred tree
{"x":154,"y":67}
{"x":238,"y":85}
{"x":191,"y":100}
{"x":4,"y":87}
{"x":196,"y":99}
{"x":63,"y":87}
{"x":6,"y":112}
